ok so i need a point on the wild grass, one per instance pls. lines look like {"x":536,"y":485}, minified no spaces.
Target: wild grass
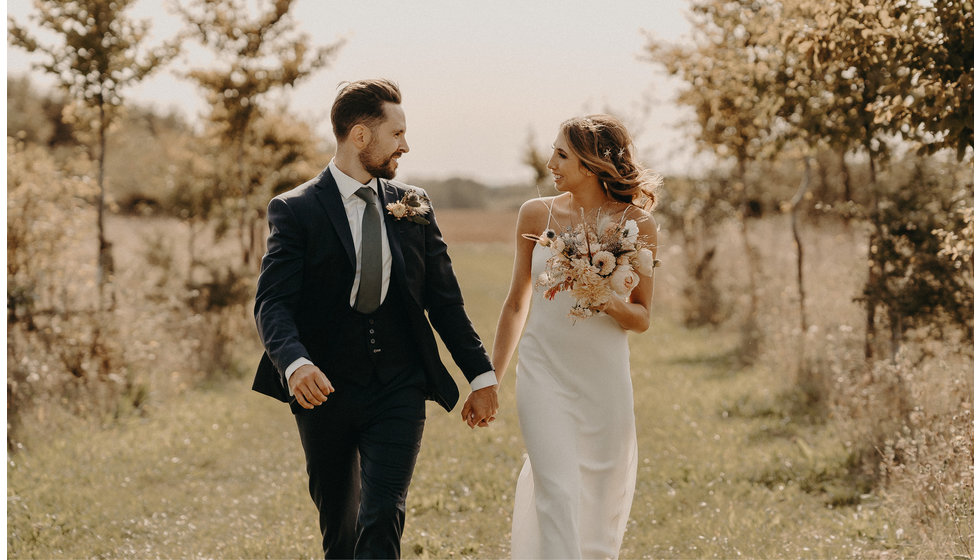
{"x":727,"y":469}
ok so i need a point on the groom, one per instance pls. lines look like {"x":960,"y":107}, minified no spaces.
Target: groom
{"x":341,"y":309}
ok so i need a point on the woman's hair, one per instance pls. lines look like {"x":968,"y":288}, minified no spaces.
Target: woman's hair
{"x":362,"y":102}
{"x":606,"y":149}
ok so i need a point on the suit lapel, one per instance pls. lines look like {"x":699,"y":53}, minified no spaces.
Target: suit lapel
{"x":388,"y":195}
{"x":329,"y":197}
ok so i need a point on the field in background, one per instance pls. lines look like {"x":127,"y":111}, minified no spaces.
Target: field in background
{"x":477,"y":226}
{"x":218,"y":471}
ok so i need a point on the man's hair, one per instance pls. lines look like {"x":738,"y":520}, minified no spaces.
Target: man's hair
{"x":362,"y":102}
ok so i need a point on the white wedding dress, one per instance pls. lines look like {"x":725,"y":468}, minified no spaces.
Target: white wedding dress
{"x":575,"y":402}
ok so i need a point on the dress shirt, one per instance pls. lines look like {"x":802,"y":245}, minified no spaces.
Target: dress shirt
{"x":354,"y":206}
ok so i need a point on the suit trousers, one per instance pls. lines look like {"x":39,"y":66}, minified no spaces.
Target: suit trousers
{"x":361,"y":446}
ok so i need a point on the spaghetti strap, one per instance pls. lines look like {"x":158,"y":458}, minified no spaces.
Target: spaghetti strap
{"x":550,"y":206}
{"x":622,"y":219}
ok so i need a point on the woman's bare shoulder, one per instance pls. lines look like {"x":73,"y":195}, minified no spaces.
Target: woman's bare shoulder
{"x":534,"y":214}
{"x":644,"y":219}
{"x":538,"y":205}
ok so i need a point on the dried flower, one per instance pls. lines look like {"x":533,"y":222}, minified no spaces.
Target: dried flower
{"x":397,"y":209}
{"x":412,"y":206}
{"x":594,"y":262}
{"x":604,"y":261}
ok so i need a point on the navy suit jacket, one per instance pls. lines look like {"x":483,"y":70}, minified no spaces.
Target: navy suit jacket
{"x":308,"y":273}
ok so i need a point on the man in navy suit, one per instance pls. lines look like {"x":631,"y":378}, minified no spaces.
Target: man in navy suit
{"x":341,"y":309}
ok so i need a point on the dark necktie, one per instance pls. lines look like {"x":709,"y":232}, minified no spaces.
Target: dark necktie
{"x":369,"y":291}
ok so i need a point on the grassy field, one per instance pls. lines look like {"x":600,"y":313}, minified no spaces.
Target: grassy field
{"x":725,"y":471}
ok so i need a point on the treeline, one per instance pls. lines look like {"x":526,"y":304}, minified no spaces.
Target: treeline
{"x":144,"y":154}
{"x":853,"y":117}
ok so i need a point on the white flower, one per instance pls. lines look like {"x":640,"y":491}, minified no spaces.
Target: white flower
{"x":398,"y":209}
{"x":644,"y":262}
{"x":624,"y":279}
{"x":558,"y":245}
{"x":631,"y":231}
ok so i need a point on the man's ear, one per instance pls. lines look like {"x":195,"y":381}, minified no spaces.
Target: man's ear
{"x":360,"y":136}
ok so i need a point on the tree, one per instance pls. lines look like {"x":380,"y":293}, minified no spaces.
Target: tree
{"x":892,"y":68}
{"x":729,"y":72}
{"x":937,"y":108}
{"x":255,"y":58}
{"x":97,"y":54}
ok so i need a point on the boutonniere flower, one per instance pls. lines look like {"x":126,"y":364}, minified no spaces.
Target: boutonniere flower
{"x":412,"y":207}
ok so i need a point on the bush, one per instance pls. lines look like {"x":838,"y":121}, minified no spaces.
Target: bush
{"x":59,"y":345}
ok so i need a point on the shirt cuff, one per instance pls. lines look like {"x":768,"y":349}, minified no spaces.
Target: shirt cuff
{"x":295,"y":366}
{"x":483,"y":381}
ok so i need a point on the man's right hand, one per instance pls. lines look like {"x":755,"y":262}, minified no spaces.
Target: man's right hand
{"x":310,"y":386}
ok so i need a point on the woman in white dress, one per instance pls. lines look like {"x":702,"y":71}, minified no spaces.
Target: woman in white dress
{"x":574,"y":394}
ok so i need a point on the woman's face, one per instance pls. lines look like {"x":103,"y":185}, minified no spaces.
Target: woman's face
{"x":567,"y":169}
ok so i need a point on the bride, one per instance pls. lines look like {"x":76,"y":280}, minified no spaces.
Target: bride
{"x":574,"y":394}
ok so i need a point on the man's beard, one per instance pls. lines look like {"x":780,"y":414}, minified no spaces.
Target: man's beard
{"x":378,"y":166}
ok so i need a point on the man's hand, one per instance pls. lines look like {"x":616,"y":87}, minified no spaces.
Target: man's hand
{"x":310,"y":386}
{"x":480,"y":407}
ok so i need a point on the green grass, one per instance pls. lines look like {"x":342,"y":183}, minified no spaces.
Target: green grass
{"x":725,"y":471}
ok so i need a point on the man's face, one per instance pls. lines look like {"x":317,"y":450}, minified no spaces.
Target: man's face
{"x":380,"y":156}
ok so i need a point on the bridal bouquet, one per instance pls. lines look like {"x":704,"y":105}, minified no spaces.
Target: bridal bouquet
{"x":595,"y":262}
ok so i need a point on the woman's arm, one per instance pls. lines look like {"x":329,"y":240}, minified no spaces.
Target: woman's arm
{"x":513,"y":313}
{"x":634,"y":315}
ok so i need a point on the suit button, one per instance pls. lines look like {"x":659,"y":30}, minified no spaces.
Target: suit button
{"x":370,"y":321}
{"x":372,"y":341}
{"x":371,"y":331}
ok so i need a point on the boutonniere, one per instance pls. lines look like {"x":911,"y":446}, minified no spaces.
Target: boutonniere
{"x":412,"y":207}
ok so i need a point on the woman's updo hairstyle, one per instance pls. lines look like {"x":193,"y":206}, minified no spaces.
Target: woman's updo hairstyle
{"x":606,"y":149}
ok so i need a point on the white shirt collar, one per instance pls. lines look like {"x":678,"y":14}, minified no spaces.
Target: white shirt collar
{"x":348,"y":185}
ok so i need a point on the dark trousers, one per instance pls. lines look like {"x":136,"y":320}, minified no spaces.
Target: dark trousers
{"x":361,"y":447}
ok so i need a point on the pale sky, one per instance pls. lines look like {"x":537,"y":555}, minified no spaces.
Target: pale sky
{"x":476,"y":77}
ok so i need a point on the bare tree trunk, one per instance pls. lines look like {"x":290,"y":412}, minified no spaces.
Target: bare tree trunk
{"x":897,"y":327}
{"x":871,"y":301}
{"x":191,"y":253}
{"x":823,"y":190}
{"x":845,"y":175}
{"x":104,"y":267}
{"x":244,"y":236}
{"x":797,"y":199}
{"x":104,"y":264}
{"x":751,"y":334}
{"x":794,"y":224}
